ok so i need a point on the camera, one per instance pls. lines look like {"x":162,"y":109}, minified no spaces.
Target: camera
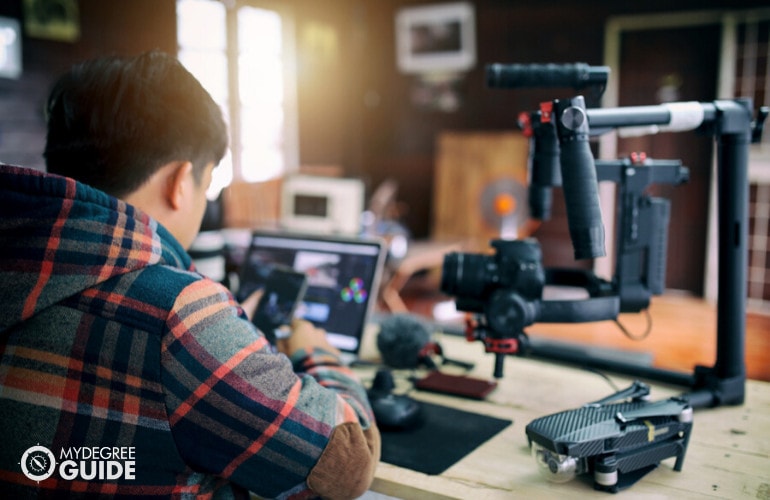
{"x":505,"y":287}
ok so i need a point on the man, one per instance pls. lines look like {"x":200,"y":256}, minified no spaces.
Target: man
{"x":123,"y":372}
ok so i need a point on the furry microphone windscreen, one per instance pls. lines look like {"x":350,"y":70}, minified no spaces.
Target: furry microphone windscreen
{"x":401,"y":338}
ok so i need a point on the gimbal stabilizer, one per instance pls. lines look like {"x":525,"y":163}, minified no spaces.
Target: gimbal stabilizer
{"x":730,"y":122}
{"x":563,"y":133}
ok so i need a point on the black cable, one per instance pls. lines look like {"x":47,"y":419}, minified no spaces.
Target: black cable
{"x":602,"y":375}
{"x":630,"y":335}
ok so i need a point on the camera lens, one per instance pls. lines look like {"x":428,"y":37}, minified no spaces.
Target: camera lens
{"x":465,"y":274}
{"x":555,"y":467}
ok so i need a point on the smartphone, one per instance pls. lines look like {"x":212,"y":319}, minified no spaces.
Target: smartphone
{"x":283,"y":291}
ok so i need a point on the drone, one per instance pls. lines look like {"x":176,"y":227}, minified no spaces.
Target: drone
{"x":618,"y":439}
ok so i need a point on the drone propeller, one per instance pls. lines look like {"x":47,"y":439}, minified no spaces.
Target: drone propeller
{"x":666,"y":408}
{"x":636,"y":392}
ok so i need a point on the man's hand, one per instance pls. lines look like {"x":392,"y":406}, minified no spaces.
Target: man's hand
{"x":304,"y":335}
{"x":249,"y":304}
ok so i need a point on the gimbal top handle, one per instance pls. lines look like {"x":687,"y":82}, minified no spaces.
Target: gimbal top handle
{"x":569,"y":75}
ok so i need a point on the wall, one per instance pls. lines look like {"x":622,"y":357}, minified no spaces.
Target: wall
{"x":113,"y":27}
{"x":355,"y":108}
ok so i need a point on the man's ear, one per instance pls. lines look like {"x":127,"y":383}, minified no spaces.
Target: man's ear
{"x":177,"y":187}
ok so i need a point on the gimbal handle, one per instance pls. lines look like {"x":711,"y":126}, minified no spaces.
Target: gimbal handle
{"x":573,"y":75}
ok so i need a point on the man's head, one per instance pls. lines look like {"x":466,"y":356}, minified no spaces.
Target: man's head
{"x":125,"y":125}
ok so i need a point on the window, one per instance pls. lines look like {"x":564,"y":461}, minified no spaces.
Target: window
{"x":752,"y":79}
{"x":242,"y":55}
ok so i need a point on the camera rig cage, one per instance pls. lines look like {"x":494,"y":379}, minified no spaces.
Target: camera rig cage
{"x":505,"y":289}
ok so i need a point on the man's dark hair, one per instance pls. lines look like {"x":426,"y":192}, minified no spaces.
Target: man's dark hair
{"x":113,"y":122}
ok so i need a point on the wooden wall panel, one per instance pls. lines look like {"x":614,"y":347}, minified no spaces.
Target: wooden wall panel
{"x":252,"y":204}
{"x":471,"y":168}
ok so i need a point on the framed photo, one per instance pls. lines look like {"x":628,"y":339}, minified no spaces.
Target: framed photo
{"x":57,"y":20}
{"x":436,"y":38}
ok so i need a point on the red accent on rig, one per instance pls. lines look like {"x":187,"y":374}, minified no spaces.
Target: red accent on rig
{"x":638,"y":158}
{"x":470,"y":329}
{"x":546,"y":111}
{"x":502,"y":346}
{"x":525,"y":124}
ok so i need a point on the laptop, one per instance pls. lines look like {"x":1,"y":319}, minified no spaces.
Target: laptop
{"x":343,"y":278}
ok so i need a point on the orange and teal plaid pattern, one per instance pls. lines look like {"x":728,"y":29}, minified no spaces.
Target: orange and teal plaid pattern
{"x":109,"y":338}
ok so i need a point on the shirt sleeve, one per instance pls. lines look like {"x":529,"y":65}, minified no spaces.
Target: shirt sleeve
{"x":240,"y":412}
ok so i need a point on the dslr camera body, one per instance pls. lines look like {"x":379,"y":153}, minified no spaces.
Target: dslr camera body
{"x":504,"y":288}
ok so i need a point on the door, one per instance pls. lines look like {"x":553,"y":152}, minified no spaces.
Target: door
{"x":667,"y":65}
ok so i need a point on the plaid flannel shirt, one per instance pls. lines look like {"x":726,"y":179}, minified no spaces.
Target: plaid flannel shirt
{"x":109,"y":340}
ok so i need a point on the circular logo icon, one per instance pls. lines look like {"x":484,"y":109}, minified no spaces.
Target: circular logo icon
{"x":38,"y":463}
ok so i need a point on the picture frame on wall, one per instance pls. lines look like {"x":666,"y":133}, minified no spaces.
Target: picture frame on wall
{"x":57,"y":20}
{"x":436,"y":38}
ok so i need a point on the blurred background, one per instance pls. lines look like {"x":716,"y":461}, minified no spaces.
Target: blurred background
{"x":359,"y":89}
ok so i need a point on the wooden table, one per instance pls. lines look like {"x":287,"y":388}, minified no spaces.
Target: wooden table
{"x":728,"y":454}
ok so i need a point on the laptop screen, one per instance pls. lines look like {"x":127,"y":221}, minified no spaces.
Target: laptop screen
{"x":343,"y":275}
